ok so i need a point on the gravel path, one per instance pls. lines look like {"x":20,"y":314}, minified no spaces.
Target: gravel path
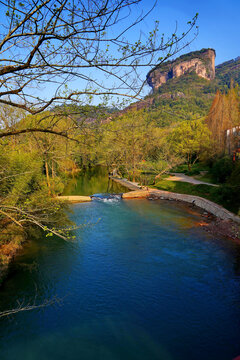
{"x":184,"y":178}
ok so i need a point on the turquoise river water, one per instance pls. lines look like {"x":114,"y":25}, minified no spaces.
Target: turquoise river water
{"x":141,"y":281}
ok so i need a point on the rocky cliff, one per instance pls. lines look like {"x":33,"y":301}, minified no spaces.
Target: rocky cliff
{"x":201,"y":62}
{"x":186,"y":96}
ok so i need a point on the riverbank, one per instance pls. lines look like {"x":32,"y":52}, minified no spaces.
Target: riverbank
{"x":221,"y":222}
{"x":205,"y":204}
{"x":12,"y":239}
{"x":202,"y":203}
{"x":75,"y":198}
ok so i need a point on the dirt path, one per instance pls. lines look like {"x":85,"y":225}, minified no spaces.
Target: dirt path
{"x":184,"y":178}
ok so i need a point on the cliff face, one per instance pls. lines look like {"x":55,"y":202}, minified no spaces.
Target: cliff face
{"x":201,"y":62}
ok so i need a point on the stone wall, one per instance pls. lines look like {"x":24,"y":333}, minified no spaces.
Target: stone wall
{"x":202,"y":203}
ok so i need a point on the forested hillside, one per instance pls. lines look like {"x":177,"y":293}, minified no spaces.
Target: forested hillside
{"x":227,"y":72}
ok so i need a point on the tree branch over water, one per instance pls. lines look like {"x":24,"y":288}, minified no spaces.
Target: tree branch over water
{"x":22,"y":306}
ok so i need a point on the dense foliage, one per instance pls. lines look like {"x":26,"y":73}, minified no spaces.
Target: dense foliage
{"x":227,"y":72}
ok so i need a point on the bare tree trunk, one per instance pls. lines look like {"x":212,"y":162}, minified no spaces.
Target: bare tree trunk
{"x":189,"y":162}
{"x":48,"y":180}
{"x":52,"y":169}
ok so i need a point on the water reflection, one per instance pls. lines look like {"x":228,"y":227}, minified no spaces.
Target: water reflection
{"x":93,"y":180}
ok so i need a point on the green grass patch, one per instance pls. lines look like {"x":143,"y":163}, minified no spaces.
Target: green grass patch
{"x":187,"y":188}
{"x":195,"y":169}
{"x":206,"y":177}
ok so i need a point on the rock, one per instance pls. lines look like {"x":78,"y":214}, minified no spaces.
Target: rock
{"x":201,"y":62}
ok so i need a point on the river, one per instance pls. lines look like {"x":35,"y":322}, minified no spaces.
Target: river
{"x":91,"y":181}
{"x":141,"y":281}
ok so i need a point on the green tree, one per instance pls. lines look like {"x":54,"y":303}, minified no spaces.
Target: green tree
{"x":24,"y":195}
{"x":160,"y":157}
{"x":190,"y":139}
{"x":127,"y":142}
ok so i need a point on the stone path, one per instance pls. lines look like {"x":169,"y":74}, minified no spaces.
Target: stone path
{"x":185,"y":178}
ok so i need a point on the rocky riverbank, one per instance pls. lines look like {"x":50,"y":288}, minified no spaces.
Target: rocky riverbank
{"x":216,"y":219}
{"x":12,"y":239}
{"x":202,"y":203}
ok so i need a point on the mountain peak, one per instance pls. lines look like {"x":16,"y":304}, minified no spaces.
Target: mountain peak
{"x":201,"y":62}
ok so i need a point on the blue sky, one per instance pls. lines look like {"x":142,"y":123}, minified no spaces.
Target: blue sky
{"x":219,"y":23}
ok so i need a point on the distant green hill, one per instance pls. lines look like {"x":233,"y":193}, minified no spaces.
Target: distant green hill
{"x":227,"y":71}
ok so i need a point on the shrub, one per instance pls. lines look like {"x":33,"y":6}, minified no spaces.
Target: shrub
{"x":234,"y":178}
{"x":229,"y":196}
{"x":222,"y":169}
{"x":193,"y":172}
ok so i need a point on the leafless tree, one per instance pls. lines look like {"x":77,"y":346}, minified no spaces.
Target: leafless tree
{"x":49,"y":43}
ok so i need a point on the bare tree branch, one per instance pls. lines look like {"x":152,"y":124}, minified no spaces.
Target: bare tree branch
{"x":33,"y":130}
{"x":53,"y":42}
{"x":22,"y":306}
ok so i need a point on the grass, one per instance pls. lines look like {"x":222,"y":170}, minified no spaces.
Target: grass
{"x":206,"y":177}
{"x":187,"y":188}
{"x":196,"y":172}
{"x":195,"y":169}
{"x":205,"y":191}
{"x":225,"y":194}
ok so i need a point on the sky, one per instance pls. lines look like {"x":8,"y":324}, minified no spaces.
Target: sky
{"x":219,"y":23}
